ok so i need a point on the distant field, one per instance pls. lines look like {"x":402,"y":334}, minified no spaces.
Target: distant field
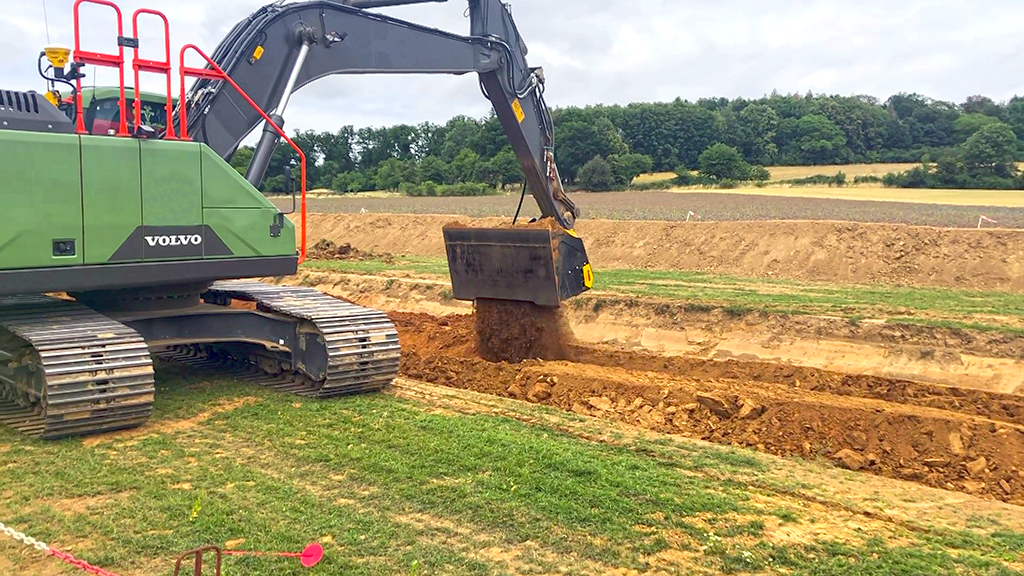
{"x":756,"y":204}
{"x":851,"y":170}
{"x":792,"y":172}
{"x":1003,"y":198}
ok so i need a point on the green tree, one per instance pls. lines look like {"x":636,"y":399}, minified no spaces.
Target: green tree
{"x":504,"y":169}
{"x":754,"y":133}
{"x":1015,"y":116}
{"x":626,"y":167}
{"x":241,"y":159}
{"x":577,"y":143}
{"x":353,"y":181}
{"x":983,"y":105}
{"x":813,"y":139}
{"x":328,"y":172}
{"x":433,"y":169}
{"x":969,"y":124}
{"x":465,"y":167}
{"x":596,"y":175}
{"x":991,"y":151}
{"x":392,"y":172}
{"x":723,"y":162}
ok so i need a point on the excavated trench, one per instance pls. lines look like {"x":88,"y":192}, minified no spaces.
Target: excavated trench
{"x":958,"y":439}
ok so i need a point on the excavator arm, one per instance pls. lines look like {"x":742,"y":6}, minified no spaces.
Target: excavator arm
{"x":283,"y":47}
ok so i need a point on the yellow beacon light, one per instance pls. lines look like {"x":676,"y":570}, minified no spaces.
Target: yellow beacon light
{"x":58,"y":55}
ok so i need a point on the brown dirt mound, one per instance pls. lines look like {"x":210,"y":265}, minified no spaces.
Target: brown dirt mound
{"x":327,"y":250}
{"x":823,"y":251}
{"x":963,"y":440}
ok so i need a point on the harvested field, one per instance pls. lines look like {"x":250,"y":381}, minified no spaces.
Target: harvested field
{"x":711,"y":206}
{"x":820,"y":251}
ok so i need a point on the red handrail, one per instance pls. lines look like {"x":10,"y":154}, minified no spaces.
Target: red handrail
{"x":155,"y":66}
{"x":100,"y":59}
{"x":214,"y":72}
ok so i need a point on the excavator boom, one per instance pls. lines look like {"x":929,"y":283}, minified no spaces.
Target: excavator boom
{"x":282,"y":47}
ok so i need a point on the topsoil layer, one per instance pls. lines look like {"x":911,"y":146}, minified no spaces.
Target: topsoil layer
{"x":821,"y":251}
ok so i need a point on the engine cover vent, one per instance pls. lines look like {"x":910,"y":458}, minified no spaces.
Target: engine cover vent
{"x":28,"y":111}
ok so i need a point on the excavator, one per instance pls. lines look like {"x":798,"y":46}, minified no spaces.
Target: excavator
{"x":130,"y":238}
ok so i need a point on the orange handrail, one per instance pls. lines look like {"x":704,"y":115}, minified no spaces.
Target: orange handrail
{"x":155,"y":66}
{"x":100,"y":59}
{"x":214,"y":72}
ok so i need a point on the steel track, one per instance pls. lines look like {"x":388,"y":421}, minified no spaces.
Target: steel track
{"x":89,"y":373}
{"x":362,"y":344}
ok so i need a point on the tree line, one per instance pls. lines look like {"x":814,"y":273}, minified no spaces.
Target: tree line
{"x":470,"y":155}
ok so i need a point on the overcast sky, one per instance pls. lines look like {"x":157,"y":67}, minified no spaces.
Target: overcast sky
{"x":621,"y":51}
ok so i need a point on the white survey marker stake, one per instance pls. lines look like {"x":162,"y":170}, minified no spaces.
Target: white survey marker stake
{"x":985,"y":219}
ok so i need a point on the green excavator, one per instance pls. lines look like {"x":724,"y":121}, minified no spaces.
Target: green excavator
{"x":129,"y":236}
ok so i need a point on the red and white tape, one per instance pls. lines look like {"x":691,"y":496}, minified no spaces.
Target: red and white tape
{"x":62,"y":556}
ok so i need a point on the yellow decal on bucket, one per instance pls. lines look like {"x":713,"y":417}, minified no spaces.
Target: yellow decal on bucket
{"x":572,"y":233}
{"x":518,"y":109}
{"x":588,"y":276}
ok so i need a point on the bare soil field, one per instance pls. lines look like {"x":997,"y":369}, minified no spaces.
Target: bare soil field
{"x":935,"y":406}
{"x":826,"y":251}
{"x":675,"y":206}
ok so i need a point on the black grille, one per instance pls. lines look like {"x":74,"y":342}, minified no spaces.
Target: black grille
{"x":22,"y":111}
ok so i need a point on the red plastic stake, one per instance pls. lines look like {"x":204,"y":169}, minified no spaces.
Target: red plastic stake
{"x":309,"y":557}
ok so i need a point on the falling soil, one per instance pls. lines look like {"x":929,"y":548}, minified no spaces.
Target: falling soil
{"x":964,"y":440}
{"x":508,"y":331}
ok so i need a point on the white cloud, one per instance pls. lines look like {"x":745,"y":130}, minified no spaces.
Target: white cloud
{"x":617,"y":51}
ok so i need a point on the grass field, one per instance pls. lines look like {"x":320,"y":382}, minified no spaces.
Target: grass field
{"x":393,"y":486}
{"x":999,"y":311}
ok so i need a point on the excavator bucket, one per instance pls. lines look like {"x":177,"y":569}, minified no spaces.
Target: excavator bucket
{"x":529,"y":264}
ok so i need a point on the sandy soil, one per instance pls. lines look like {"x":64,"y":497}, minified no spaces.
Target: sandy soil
{"x":821,"y":251}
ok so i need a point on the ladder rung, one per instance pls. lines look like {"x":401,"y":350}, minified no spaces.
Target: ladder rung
{"x":99,"y":59}
{"x":152,"y":66}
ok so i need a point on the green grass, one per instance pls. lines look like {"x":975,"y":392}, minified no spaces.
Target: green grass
{"x":394,"y":487}
{"x":937,"y":307}
{"x":417,"y":265}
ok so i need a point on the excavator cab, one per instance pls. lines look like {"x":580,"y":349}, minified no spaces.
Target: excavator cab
{"x":103,"y":113}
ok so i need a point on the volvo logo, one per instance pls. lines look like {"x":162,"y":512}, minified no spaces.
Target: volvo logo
{"x":178,"y":240}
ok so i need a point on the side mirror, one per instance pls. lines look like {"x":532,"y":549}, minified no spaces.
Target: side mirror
{"x":289,"y":181}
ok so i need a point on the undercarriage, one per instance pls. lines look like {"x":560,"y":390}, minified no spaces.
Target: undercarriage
{"x":85,"y":365}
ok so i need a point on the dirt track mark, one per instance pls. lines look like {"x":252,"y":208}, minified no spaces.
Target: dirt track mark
{"x":170,"y":426}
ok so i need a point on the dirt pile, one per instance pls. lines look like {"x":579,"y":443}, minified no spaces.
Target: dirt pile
{"x":964,"y":440}
{"x":824,"y":251}
{"x":327,"y":250}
